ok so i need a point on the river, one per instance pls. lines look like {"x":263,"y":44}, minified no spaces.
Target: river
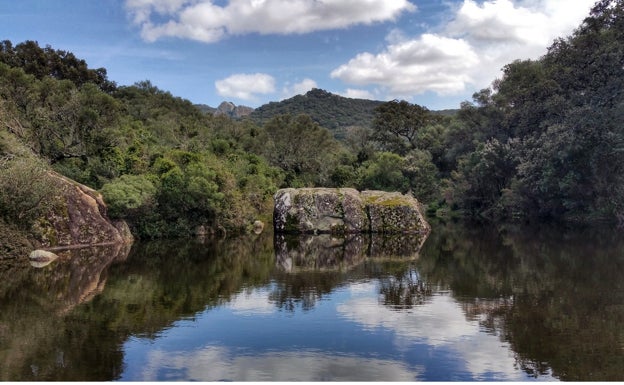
{"x":476,"y":302}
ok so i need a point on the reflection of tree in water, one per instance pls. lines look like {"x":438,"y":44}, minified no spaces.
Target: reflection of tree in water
{"x":159,"y":283}
{"x":286,"y":299}
{"x":404,"y":291}
{"x":303,"y":289}
{"x":555,"y":295}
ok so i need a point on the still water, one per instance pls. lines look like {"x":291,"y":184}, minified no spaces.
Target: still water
{"x":475,"y":302}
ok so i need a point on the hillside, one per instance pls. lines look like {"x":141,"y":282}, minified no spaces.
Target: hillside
{"x":333,"y":112}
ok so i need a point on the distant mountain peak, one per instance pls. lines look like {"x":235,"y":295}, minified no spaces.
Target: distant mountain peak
{"x":331,"y":111}
{"x":232,"y":110}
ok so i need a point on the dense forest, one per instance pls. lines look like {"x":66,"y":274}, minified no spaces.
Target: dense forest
{"x":545,"y":141}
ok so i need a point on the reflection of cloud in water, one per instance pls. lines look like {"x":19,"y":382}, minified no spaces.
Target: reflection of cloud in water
{"x":363,"y":287}
{"x":439,"y":323}
{"x":218,"y":363}
{"x":252,"y":302}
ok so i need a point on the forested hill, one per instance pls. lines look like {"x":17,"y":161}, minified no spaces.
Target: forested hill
{"x":333,"y":112}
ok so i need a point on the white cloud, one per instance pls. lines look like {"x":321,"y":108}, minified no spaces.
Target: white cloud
{"x":298,"y":88}
{"x":430,"y":63}
{"x":208,"y":22}
{"x":245,"y":86}
{"x":358,"y":94}
{"x":141,"y":10}
{"x":500,"y":21}
{"x":469,"y":51}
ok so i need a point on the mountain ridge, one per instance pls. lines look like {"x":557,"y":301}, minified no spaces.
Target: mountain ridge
{"x":334,"y":112}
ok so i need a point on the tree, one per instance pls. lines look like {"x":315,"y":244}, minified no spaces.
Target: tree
{"x":126,"y":195}
{"x":422,"y":174}
{"x":484,"y":175}
{"x":396,"y":125}
{"x":562,"y":117}
{"x":302,"y":148}
{"x":47,"y":62}
{"x":384,"y":172}
{"x":27,"y":188}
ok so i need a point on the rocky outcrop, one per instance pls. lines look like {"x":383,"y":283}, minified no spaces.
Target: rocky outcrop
{"x":79,"y":219}
{"x":232,"y":110}
{"x":346,"y":211}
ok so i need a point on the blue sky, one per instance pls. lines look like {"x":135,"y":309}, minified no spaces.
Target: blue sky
{"x":436,"y":53}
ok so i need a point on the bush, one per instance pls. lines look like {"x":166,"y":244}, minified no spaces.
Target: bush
{"x":128,"y":193}
{"x":27,"y":190}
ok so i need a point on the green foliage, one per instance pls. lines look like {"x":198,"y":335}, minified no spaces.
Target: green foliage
{"x":384,"y":173}
{"x":128,"y":194}
{"x":413,"y":173}
{"x":422,"y":175}
{"x":301,"y":148}
{"x":551,"y":128}
{"x":161,"y":163}
{"x":397,"y":125}
{"x":27,"y":189}
{"x":484,"y":175}
{"x":47,"y":62}
{"x":546,"y":140}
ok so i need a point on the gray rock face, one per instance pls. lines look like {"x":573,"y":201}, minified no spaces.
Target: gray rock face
{"x":346,"y":211}
{"x":232,"y":110}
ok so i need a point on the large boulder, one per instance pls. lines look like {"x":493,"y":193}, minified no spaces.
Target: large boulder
{"x":346,"y":211}
{"x":80,"y":218}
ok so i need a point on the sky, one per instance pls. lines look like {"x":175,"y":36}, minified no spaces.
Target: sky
{"x":435,"y":53}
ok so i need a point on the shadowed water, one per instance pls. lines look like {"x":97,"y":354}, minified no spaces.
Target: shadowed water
{"x":474,"y":303}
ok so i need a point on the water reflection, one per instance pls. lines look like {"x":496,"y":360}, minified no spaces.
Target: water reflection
{"x":405,"y":291}
{"x":554,"y":294}
{"x":473,"y":303}
{"x":324,"y":252}
{"x":35,"y":326}
{"x":218,"y":363}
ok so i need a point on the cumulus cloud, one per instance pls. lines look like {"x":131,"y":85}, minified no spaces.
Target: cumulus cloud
{"x":207,"y":21}
{"x":358,"y":94}
{"x":429,"y":63}
{"x":469,"y":51}
{"x":246,"y":86}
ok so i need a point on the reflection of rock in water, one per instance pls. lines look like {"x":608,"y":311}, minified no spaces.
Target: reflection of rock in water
{"x":41,"y":258}
{"x":330,"y":252}
{"x":79,"y":274}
